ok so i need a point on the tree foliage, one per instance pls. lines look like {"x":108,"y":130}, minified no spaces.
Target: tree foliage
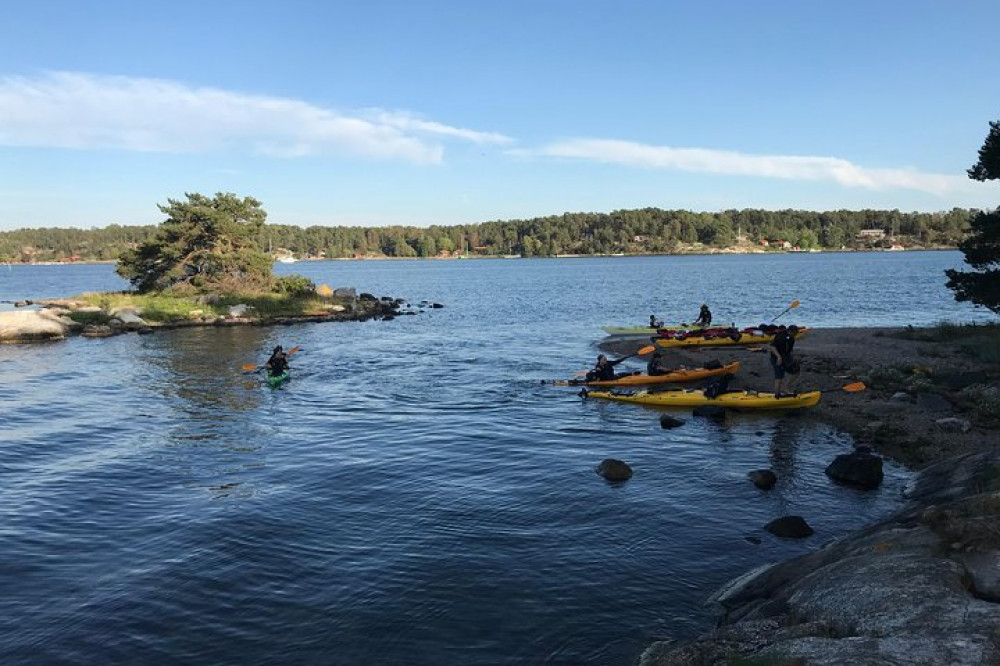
{"x":982,"y":247}
{"x":203,"y":245}
{"x":642,"y":231}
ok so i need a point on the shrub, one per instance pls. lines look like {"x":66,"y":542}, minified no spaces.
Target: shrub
{"x":294,"y":285}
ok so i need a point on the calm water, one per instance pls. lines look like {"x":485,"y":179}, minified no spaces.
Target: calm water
{"x":414,"y":495}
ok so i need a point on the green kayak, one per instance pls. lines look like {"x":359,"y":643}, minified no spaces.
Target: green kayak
{"x":275,"y":381}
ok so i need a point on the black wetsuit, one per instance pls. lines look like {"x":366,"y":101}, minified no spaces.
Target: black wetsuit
{"x":277,"y":364}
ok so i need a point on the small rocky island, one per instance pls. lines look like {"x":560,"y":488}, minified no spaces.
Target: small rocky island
{"x":57,"y":319}
{"x":204,"y":267}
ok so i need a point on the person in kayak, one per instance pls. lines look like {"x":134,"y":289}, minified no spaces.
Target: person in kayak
{"x":704,"y":317}
{"x":604,"y":370}
{"x":654,"y":322}
{"x":277,"y":365}
{"x":655,"y":366}
{"x":782,"y":360}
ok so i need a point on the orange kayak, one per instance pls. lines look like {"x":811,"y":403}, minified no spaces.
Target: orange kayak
{"x":642,"y":379}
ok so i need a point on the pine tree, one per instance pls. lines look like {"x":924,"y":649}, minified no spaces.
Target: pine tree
{"x":982,"y":247}
{"x":204,"y":245}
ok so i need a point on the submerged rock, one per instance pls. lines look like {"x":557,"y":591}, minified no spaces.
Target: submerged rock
{"x":789,"y":527}
{"x":859,"y":468}
{"x":613,"y":469}
{"x":763,"y":478}
{"x":667,"y":421}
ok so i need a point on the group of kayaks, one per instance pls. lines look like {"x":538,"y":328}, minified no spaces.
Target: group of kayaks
{"x":641,"y":388}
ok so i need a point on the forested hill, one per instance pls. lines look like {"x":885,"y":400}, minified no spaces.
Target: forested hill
{"x":649,"y":230}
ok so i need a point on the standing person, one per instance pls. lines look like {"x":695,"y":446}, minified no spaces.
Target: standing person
{"x":604,"y":370}
{"x":782,"y":360}
{"x":704,"y":317}
{"x":278,"y":363}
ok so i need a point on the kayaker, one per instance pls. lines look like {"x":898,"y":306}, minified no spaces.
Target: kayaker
{"x":704,"y":317}
{"x":278,"y":363}
{"x":654,"y":322}
{"x":655,"y":366}
{"x":782,"y":360}
{"x":604,"y":370}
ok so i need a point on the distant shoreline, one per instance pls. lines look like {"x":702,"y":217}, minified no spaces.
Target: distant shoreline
{"x":711,"y":252}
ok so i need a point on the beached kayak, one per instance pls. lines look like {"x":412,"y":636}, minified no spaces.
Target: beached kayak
{"x":645,"y":331}
{"x":277,"y":380}
{"x":642,"y":379}
{"x":745,"y":337}
{"x":696,"y":398}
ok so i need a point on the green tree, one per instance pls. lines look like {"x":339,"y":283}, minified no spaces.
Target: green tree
{"x":982,"y":246}
{"x":203,"y":245}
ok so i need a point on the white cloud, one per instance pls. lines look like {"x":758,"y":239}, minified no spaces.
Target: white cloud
{"x":75,"y":110}
{"x":789,"y":167}
{"x":409,"y":123}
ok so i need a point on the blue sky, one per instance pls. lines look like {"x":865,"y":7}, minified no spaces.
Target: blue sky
{"x":377,"y":113}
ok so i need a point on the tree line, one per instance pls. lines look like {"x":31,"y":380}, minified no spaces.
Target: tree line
{"x":641,"y":231}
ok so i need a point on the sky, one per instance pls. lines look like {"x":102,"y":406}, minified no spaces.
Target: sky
{"x":431,"y":112}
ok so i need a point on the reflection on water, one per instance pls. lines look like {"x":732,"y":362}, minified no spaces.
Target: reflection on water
{"x":413,"y":495}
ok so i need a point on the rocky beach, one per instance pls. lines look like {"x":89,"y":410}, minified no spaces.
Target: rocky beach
{"x":919,"y":587}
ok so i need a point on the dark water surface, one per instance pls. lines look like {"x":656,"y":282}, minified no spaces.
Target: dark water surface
{"x":413,"y":495}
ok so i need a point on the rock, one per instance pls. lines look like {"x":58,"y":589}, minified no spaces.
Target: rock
{"x":709,"y":411}
{"x":984,"y":569}
{"x":667,"y":421}
{"x":32,"y":326}
{"x":436,"y":305}
{"x":763,"y":478}
{"x":859,"y":468}
{"x":365,"y":296}
{"x":130,"y":319}
{"x":789,"y":527}
{"x":932,"y":402}
{"x":614,"y":470}
{"x":388,"y":318}
{"x":752,"y":538}
{"x":346,"y":292}
{"x":953,"y":424}
{"x":145,"y":331}
{"x":238,"y":310}
{"x":208,"y":299}
{"x":97,"y":331}
{"x":21,"y":304}
{"x":902,"y":396}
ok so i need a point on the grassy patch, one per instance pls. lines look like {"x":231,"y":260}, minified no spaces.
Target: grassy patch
{"x":89,"y":318}
{"x":164,"y":308}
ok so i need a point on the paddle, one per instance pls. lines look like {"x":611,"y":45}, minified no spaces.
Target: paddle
{"x":794,"y":305}
{"x":258,"y":368}
{"x":850,"y":388}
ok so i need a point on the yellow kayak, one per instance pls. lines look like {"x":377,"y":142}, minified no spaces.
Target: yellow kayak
{"x":696,"y":398}
{"x":642,"y":379}
{"x":734,"y":338}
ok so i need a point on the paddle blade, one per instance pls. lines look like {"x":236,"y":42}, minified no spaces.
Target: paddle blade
{"x":249,"y":367}
{"x":294,"y":349}
{"x":649,"y":349}
{"x":855,"y":387}
{"x":794,"y":305}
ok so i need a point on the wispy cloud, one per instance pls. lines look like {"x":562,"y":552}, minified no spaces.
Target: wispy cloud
{"x":788,"y":167}
{"x":81,"y":111}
